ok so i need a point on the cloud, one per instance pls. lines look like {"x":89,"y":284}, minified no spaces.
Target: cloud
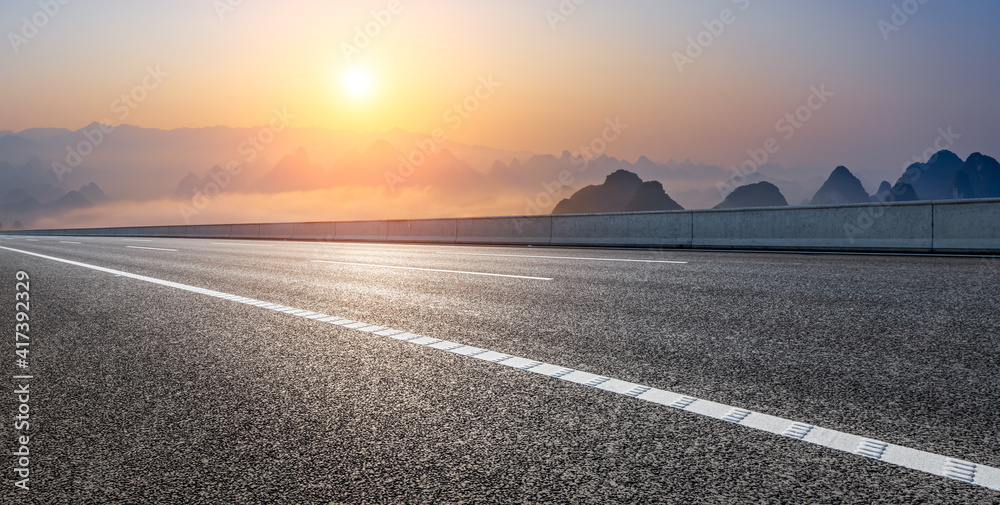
{"x":341,"y":203}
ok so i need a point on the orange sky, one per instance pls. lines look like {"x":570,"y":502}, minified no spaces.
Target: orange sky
{"x":560,"y":80}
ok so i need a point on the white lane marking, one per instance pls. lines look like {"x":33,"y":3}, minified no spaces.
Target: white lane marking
{"x":241,"y":243}
{"x":150,"y":248}
{"x":31,"y":239}
{"x":68,"y":242}
{"x":927,"y":462}
{"x":564,"y":257}
{"x":136,"y":240}
{"x":434,"y":270}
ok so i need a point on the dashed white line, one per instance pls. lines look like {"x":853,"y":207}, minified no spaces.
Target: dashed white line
{"x":68,"y":242}
{"x":564,"y":257}
{"x":31,"y":239}
{"x":136,"y":240}
{"x":927,"y":462}
{"x":434,"y":270}
{"x":150,"y":248}
{"x":241,"y":243}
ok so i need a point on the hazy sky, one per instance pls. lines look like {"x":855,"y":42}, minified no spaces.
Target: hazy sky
{"x":558,"y":83}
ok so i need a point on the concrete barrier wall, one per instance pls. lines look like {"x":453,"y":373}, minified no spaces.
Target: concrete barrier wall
{"x":645,"y":229}
{"x":534,"y":230}
{"x":900,"y":227}
{"x":423,"y":230}
{"x":967,"y":226}
{"x":276,"y":231}
{"x":362,"y":230}
{"x":313,"y":231}
{"x":942,"y":226}
{"x":245,"y":231}
{"x":175,"y":231}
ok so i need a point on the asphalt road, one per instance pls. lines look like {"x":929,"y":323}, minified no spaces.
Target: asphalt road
{"x":146,"y":393}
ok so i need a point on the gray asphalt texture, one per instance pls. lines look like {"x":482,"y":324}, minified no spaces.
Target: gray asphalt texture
{"x":149,"y":394}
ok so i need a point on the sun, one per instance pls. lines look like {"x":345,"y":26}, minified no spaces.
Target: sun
{"x":357,"y":83}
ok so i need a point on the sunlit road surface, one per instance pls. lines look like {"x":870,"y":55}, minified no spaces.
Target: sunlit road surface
{"x":208,"y":371}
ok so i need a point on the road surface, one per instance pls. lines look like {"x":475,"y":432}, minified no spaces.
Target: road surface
{"x":217,"y":371}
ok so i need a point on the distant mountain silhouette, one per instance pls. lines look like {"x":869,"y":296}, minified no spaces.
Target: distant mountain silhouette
{"x":902,"y":192}
{"x":979,"y":177}
{"x":651,"y":196}
{"x":932,"y":180}
{"x":294,"y":172}
{"x":93,"y":193}
{"x":15,"y":196}
{"x":882,"y":192}
{"x":17,"y":149}
{"x":761,"y":194}
{"x":841,"y":187}
{"x":20,"y":205}
{"x":188,"y":186}
{"x":622,"y":190}
{"x":70,"y":201}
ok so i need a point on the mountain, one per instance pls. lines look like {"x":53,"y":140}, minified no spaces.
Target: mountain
{"x":93,"y":193}
{"x":792,"y":191}
{"x":882,"y":192}
{"x":17,"y":149}
{"x":189,"y":185}
{"x":294,"y":172}
{"x":611,"y":196}
{"x":902,"y":192}
{"x":25,"y":209}
{"x":70,"y":201}
{"x":840,"y":188}
{"x":651,"y":196}
{"x":979,"y":177}
{"x":14,"y":196}
{"x":932,"y":180}
{"x":621,"y":190}
{"x":761,"y":194}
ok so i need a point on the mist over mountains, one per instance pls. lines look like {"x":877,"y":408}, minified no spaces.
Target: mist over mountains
{"x":53,"y":177}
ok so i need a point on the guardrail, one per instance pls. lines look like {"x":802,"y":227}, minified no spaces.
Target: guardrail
{"x":954,"y":226}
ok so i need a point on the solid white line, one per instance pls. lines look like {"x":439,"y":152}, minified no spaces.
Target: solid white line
{"x":241,"y":243}
{"x":564,"y":258}
{"x":150,"y":248}
{"x":68,"y":242}
{"x":434,"y":270}
{"x":930,"y":463}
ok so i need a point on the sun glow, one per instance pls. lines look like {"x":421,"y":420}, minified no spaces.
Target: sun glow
{"x":357,"y":83}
